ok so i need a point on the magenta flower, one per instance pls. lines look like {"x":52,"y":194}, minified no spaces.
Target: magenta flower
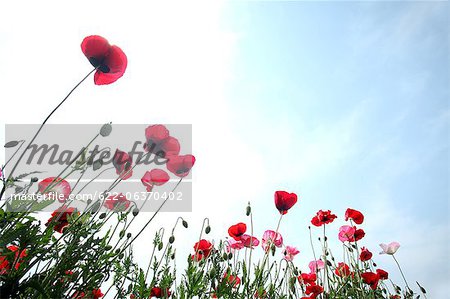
{"x":290,"y":252}
{"x":271,"y":237}
{"x":317,"y":265}
{"x":346,"y":233}
{"x":390,"y":249}
{"x":249,"y":241}
{"x":232,"y":244}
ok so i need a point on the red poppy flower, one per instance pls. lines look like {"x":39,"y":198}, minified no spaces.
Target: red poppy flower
{"x":202,"y":250}
{"x":342,"y":270}
{"x":284,"y":201}
{"x":180,"y":165}
{"x":371,"y":279}
{"x":249,"y":241}
{"x":155,"y":177}
{"x":355,"y":215}
{"x":314,"y":290}
{"x":382,"y":274}
{"x":5,"y":265}
{"x":233,"y":280}
{"x":323,"y":217}
{"x":359,"y":234}
{"x":307,"y":278}
{"x":59,"y":218}
{"x":117,"y":202}
{"x":237,"y":230}
{"x":97,"y":293}
{"x":55,"y":188}
{"x":110,"y":61}
{"x":158,"y":292}
{"x":159,"y":142}
{"x":365,"y":254}
{"x":123,"y":164}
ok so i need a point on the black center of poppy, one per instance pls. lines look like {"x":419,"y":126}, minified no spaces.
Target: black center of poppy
{"x":183,"y":170}
{"x":99,"y":64}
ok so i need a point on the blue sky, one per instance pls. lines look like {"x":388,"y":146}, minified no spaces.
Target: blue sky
{"x":348,"y":105}
{"x":344,"y":103}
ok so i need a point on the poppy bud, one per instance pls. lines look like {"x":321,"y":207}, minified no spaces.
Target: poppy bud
{"x":230,"y":256}
{"x":97,"y":164}
{"x":105,"y":130}
{"x":34,"y":179}
{"x":95,"y":207}
{"x":121,"y":256}
{"x":329,"y":263}
{"x":207,"y":229}
{"x":108,"y":247}
{"x":135,"y":212}
{"x":185,"y":224}
{"x":248,"y":210}
{"x":225,"y":256}
{"x":129,"y":235}
{"x":102,"y":215}
{"x":121,"y":234}
{"x":160,"y":246}
{"x":11,"y":144}
{"x":172,"y":256}
{"x":171,"y":239}
{"x":325,"y":238}
{"x":422,"y":289}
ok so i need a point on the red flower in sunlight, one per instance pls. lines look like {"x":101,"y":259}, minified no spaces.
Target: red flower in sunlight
{"x":354,"y":215}
{"x":97,"y":293}
{"x":313,"y":290}
{"x":237,"y":230}
{"x":342,"y":270}
{"x":365,"y":254}
{"x":110,"y":61}
{"x":371,"y":279}
{"x":59,"y":218}
{"x":307,"y":278}
{"x":155,"y":177}
{"x":233,"y":280}
{"x":202,"y":249}
{"x":284,"y":201}
{"x":5,"y":265}
{"x":180,"y":165}
{"x":359,"y":234}
{"x":159,"y":293}
{"x":117,"y":202}
{"x":323,"y":217}
{"x":159,"y":142}
{"x":382,"y":274}
{"x":123,"y":164}
{"x":55,"y":188}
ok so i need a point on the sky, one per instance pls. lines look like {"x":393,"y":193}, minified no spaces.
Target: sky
{"x":344,"y":103}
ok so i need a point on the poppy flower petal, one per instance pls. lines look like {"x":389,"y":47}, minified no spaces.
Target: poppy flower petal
{"x":95,"y":46}
{"x":116,"y":61}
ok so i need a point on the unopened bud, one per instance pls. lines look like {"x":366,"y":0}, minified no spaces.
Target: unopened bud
{"x":185,"y":224}
{"x":208,"y":229}
{"x":171,"y":239}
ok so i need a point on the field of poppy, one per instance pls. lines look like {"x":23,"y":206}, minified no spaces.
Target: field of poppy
{"x":87,"y":253}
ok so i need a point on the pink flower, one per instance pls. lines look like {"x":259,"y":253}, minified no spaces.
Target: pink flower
{"x":317,"y":265}
{"x":155,"y":177}
{"x":390,"y":249}
{"x":55,"y":188}
{"x":232,"y":244}
{"x":123,"y":164}
{"x":270,"y":237}
{"x":249,"y":241}
{"x":346,"y":233}
{"x":290,"y":252}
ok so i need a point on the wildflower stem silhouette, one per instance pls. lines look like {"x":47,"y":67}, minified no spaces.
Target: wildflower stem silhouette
{"x":10,"y":175}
